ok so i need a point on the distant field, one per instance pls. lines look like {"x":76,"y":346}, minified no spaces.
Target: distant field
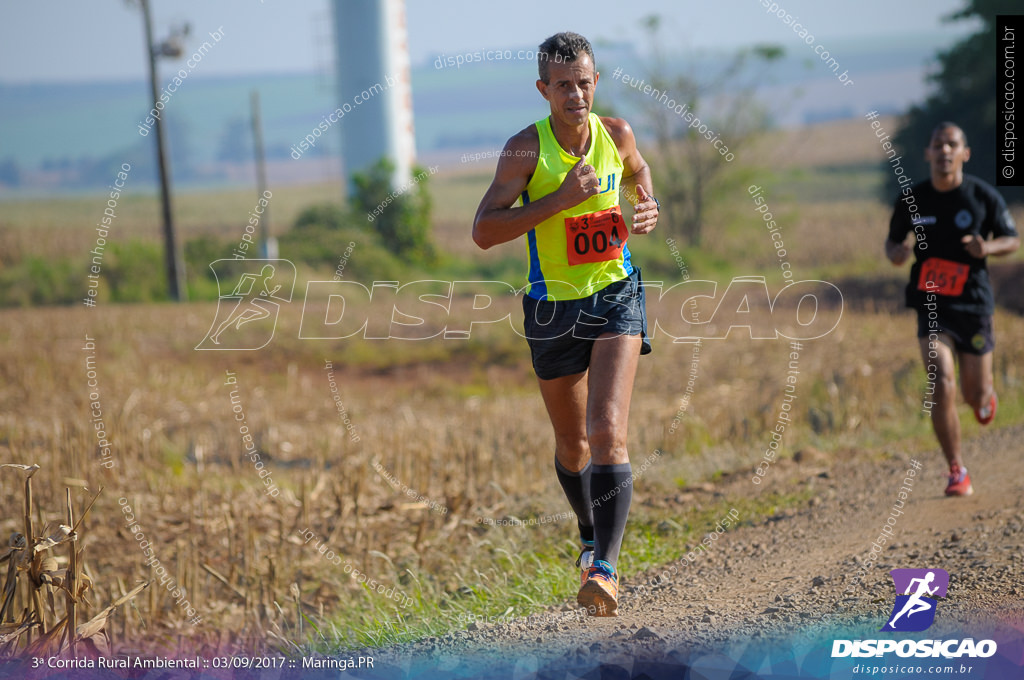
{"x":826,"y":170}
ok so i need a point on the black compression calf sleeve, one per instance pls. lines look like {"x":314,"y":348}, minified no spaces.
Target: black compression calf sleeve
{"x":611,"y":488}
{"x":576,"y":486}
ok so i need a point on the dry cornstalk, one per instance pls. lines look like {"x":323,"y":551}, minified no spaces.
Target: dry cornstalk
{"x":72,"y":582}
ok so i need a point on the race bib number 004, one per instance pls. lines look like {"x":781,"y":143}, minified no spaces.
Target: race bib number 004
{"x":595,"y":237}
{"x":943,"y":276}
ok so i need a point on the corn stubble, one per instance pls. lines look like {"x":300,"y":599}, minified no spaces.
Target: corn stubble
{"x":34,"y":619}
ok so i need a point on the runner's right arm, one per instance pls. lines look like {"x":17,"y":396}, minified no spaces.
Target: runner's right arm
{"x":896,"y":248}
{"x":897,"y":252}
{"x":497,"y":221}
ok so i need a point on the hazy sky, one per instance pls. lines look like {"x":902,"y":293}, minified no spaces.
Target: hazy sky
{"x":80,"y":40}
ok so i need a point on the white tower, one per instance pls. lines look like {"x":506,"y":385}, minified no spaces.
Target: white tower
{"x":373,"y":78}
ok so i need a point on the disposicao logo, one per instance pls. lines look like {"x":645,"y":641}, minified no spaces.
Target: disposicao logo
{"x":252,"y":302}
{"x":916,"y":601}
{"x":915,"y":608}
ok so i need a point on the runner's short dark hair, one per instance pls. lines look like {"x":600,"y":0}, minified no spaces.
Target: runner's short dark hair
{"x":945,"y":125}
{"x":562,"y":47}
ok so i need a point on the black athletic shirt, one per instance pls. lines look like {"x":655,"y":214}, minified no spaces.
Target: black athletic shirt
{"x":974,"y":207}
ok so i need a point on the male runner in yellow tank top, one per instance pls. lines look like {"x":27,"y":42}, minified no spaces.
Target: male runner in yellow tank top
{"x":584,"y":308}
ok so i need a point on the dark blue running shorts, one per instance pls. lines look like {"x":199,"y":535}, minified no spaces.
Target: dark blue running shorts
{"x":971,"y":333}
{"x":561,"y":333}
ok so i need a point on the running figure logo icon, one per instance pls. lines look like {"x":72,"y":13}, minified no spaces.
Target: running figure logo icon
{"x":915,"y":608}
{"x":257,"y":289}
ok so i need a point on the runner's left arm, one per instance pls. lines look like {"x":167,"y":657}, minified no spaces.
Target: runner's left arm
{"x":636,"y":176}
{"x":1003,"y":229}
{"x":1001,"y":245}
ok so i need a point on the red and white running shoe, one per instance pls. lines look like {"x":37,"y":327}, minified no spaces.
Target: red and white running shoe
{"x":986,"y":413}
{"x":959,"y":481}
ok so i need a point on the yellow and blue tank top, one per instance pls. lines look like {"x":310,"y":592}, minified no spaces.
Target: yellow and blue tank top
{"x":581,"y":250}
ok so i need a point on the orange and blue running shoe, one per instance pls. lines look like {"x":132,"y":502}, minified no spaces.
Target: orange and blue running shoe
{"x":599,"y":594}
{"x":959,"y":481}
{"x":985,"y":414}
{"x":585,"y":561}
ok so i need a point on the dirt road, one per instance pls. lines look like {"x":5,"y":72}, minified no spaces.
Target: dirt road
{"x":770,"y":595}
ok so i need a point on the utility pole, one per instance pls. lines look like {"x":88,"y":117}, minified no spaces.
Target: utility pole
{"x":268,"y":247}
{"x":172,"y":255}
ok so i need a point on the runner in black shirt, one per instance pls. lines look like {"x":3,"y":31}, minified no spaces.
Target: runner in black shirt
{"x":951,"y":217}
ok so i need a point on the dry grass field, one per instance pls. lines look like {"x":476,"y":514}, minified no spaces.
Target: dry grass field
{"x":446,"y":441}
{"x":465,"y":434}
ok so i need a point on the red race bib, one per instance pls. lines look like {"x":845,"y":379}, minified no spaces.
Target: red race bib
{"x":943,"y":276}
{"x":595,"y":237}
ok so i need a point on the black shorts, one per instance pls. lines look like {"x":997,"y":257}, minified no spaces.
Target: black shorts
{"x":971,"y":333}
{"x":561,"y":333}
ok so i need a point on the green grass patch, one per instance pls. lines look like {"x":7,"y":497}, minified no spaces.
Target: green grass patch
{"x":496,"y":580}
